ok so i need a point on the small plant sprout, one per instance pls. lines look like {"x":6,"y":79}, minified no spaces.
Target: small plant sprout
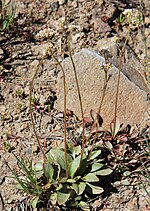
{"x":20,"y":107}
{"x":121,"y":19}
{"x":19,"y":92}
{"x":7,"y":15}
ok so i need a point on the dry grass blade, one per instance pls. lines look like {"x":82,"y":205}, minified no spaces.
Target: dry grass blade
{"x":65,"y":108}
{"x":118,"y":79}
{"x":80,"y":99}
{"x":30,"y":106}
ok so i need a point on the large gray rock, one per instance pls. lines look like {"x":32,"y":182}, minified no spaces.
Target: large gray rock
{"x":132,"y":105}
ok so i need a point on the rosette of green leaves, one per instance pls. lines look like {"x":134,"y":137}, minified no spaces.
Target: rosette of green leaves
{"x":47,"y":181}
{"x":83,"y":175}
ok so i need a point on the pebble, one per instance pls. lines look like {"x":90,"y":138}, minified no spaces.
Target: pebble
{"x":61,"y":2}
{"x":147,"y":20}
{"x":100,"y":26}
{"x":34,"y":64}
{"x":35,"y":148}
{"x":55,"y":6}
{"x":1,"y":53}
{"x":10,"y":181}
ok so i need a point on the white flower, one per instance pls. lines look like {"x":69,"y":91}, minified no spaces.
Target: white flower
{"x":114,"y":39}
{"x":46,"y":50}
{"x":127,"y":12}
{"x":60,"y":24}
{"x":45,"y":33}
{"x":72,"y":27}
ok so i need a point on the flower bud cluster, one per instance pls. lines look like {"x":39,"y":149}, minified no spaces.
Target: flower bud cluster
{"x":133,"y":18}
{"x":45,"y":33}
{"x":47,"y":50}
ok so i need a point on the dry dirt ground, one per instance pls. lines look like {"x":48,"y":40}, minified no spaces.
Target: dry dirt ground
{"x":20,"y":50}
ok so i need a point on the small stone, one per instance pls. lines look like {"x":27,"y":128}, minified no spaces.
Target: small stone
{"x":35,"y":148}
{"x":34,"y":65}
{"x":29,"y":151}
{"x":45,"y":121}
{"x":75,"y":37}
{"x":59,"y":115}
{"x":3,"y":108}
{"x":100,"y":26}
{"x":10,"y":181}
{"x":1,"y":53}
{"x":2,"y":38}
{"x":147,"y":33}
{"x":37,"y":50}
{"x":74,"y":4}
{"x":61,"y":2}
{"x":99,"y":2}
{"x":147,"y":20}
{"x":42,"y":100}
{"x":55,"y":6}
{"x":23,"y":127}
{"x":27,"y":90}
{"x":15,"y":55}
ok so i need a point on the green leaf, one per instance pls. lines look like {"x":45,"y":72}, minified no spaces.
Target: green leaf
{"x":63,"y":195}
{"x":4,"y":24}
{"x":48,"y":170}
{"x":34,"y":202}
{"x":57,"y":169}
{"x":71,"y":180}
{"x":77,"y":178}
{"x":74,"y":165}
{"x":38,"y":168}
{"x":53,"y":198}
{"x":58,"y":156}
{"x":74,"y":151}
{"x":77,"y":198}
{"x":91,"y":177}
{"x":83,"y":166}
{"x":61,"y":146}
{"x":125,"y":182}
{"x":77,"y":150}
{"x":71,"y":148}
{"x":60,"y":186}
{"x":97,"y":161}
{"x":94,"y":154}
{"x":96,"y":166}
{"x":19,"y":186}
{"x":95,"y":189}
{"x":47,"y":186}
{"x":63,"y":179}
{"x":104,"y":172}
{"x":84,"y":206}
{"x":126,"y":173}
{"x":79,"y":188}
